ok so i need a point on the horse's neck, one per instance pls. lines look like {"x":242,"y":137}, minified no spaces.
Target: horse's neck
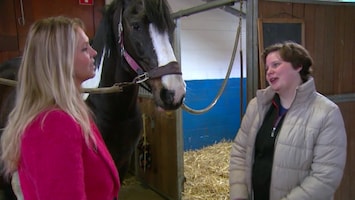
{"x":119,"y":105}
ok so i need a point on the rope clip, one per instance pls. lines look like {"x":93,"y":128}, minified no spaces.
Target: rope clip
{"x":141,"y":78}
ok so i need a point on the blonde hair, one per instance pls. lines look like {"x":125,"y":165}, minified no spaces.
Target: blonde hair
{"x":45,"y":80}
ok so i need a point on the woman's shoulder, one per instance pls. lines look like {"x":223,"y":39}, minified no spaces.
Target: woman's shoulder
{"x":54,"y":115}
{"x":322,"y":108}
{"x":325,"y":102}
{"x":53,"y":120}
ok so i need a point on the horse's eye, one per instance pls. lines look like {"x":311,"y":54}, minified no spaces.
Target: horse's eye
{"x":136,"y":26}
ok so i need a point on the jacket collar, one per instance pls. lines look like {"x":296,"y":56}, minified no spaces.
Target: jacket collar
{"x":303,"y":93}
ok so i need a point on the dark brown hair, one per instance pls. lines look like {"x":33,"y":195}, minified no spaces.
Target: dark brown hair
{"x":293,"y":53}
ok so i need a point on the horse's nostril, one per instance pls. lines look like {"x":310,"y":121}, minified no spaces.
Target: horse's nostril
{"x":182,"y":100}
{"x":167,"y":96}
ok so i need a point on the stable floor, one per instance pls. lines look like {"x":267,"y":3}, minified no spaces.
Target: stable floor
{"x":137,"y":192}
{"x":132,"y":189}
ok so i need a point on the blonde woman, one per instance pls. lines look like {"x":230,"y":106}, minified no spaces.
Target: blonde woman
{"x":50,"y":144}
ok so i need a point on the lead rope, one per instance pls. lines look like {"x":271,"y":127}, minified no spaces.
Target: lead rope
{"x":221,"y":90}
{"x":144,"y":147}
{"x":117,"y":87}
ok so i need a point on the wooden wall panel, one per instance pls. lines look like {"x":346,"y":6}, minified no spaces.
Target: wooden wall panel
{"x":346,"y":49}
{"x":329,"y":37}
{"x":346,"y":190}
{"x":329,"y":31}
{"x":16,"y":33}
{"x":275,"y":10}
{"x":330,"y":40}
{"x":309,"y":14}
{"x":160,"y":129}
{"x":8,"y":32}
{"x":339,"y":21}
{"x":323,"y":65}
{"x":298,"y":10}
{"x":44,"y":8}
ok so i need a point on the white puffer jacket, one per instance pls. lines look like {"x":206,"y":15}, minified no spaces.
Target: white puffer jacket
{"x":310,"y":149}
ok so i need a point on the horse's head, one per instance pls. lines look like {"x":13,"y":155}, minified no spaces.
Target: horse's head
{"x":143,"y":30}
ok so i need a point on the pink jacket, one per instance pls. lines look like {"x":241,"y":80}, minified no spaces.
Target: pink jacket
{"x":55,"y":162}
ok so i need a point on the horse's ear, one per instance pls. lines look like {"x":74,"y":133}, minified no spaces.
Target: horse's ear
{"x":100,"y":41}
{"x":9,"y":68}
{"x":159,"y":12}
{"x":126,"y":3}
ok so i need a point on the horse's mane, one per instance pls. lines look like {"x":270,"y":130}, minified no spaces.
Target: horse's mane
{"x":156,"y":12}
{"x":9,"y":68}
{"x":108,"y":21}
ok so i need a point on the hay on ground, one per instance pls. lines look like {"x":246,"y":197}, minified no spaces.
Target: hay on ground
{"x":206,"y":172}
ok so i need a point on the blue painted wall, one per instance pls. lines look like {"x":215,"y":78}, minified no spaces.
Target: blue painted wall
{"x":221,"y":122}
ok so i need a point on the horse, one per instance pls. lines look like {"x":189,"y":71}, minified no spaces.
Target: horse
{"x":134,"y":42}
{"x":134,"y":45}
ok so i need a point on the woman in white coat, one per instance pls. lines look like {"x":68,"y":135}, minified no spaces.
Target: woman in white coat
{"x":292,"y":140}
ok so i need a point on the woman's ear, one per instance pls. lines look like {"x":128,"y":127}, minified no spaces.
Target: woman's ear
{"x":299,"y":68}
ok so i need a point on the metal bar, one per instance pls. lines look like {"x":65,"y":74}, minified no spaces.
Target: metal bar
{"x":327,"y":2}
{"x":340,"y":98}
{"x":252,"y":49}
{"x":231,"y":10}
{"x":201,"y":8}
{"x":21,"y":20}
{"x":179,"y":120}
{"x":234,"y":11}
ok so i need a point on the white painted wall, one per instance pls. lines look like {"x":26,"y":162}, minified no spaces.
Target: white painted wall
{"x":207,"y":40}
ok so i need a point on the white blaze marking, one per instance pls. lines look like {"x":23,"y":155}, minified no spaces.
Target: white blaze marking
{"x":165,"y":54}
{"x":162,"y":46}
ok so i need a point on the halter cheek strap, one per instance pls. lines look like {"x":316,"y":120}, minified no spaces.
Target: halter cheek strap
{"x":170,"y":68}
{"x":134,"y":65}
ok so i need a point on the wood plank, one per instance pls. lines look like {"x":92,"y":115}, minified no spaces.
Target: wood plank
{"x":345,"y":190}
{"x":338,"y":48}
{"x":321,"y":71}
{"x":347,"y":65}
{"x":160,"y":129}
{"x":8,"y":22}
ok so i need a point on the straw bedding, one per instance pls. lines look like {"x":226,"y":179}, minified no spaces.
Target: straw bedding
{"x":206,"y":172}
